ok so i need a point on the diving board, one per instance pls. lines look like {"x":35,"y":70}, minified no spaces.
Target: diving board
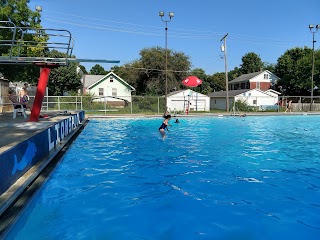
{"x":23,"y":40}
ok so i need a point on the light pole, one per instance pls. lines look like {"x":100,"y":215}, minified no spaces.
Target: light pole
{"x":311,"y":26}
{"x":171,"y":14}
{"x":38,"y":8}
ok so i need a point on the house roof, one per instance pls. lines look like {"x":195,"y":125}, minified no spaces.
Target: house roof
{"x":245,"y":77}
{"x":231,"y":93}
{"x":175,"y":92}
{"x":185,"y":90}
{"x":92,"y":80}
{"x":273,"y":91}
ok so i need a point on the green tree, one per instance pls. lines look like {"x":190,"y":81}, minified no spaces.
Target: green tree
{"x":147,"y":74}
{"x":217,"y":81}
{"x":251,"y":62}
{"x":153,"y":60}
{"x":83,"y":69}
{"x":64,"y":78}
{"x":294,"y":69}
{"x":19,"y":14}
{"x":131,"y":73}
{"x":269,"y":66}
{"x":98,"y":70}
{"x":233,"y":74}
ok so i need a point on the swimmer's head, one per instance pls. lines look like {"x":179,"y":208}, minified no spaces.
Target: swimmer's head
{"x":168,"y":116}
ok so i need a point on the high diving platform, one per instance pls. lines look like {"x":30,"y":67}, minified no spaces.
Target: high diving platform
{"x":25,"y":45}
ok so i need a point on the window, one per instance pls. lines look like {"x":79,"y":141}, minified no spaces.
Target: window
{"x":215,"y":101}
{"x":100,"y":91}
{"x":114,"y":92}
{"x":266,"y":76}
{"x":111,"y":79}
{"x":254,"y":102}
{"x":258,"y":85}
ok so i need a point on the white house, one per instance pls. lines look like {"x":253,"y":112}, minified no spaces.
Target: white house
{"x":253,"y":97}
{"x":108,"y":88}
{"x":190,"y":100}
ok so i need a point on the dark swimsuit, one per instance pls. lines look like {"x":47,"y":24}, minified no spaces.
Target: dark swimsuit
{"x":163,"y":126}
{"x":19,"y":106}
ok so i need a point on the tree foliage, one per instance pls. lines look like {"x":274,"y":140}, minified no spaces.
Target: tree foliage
{"x":83,"y":69}
{"x":251,"y":62}
{"x":64,"y":78}
{"x":233,"y":74}
{"x":217,"y":81}
{"x":294,"y":69}
{"x":98,"y":70}
{"x":18,"y":12}
{"x":148,"y":74}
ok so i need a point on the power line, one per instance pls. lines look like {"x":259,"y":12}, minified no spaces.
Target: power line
{"x":178,"y":33}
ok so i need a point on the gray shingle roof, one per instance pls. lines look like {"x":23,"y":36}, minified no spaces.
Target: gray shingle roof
{"x":91,"y":79}
{"x":245,"y":77}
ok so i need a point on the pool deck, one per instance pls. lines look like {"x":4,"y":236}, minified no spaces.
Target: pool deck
{"x":15,"y":131}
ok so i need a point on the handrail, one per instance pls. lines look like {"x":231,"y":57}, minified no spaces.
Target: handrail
{"x":22,"y":39}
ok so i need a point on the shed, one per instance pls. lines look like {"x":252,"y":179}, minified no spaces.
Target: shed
{"x":180,"y":100}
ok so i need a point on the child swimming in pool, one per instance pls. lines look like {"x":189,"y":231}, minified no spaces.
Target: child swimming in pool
{"x":164,"y":126}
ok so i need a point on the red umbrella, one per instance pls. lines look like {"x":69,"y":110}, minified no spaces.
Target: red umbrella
{"x":192,"y":81}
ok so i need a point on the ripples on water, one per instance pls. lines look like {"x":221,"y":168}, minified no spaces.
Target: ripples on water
{"x":212,"y":178}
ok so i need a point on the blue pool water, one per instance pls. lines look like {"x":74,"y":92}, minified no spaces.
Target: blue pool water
{"x":212,"y":178}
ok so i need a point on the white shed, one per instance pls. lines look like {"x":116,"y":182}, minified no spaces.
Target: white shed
{"x":180,"y":100}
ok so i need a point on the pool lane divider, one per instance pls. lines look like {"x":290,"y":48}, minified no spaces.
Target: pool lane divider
{"x":22,"y":164}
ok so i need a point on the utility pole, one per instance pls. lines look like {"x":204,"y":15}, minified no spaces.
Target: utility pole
{"x":311,"y":26}
{"x":224,"y":50}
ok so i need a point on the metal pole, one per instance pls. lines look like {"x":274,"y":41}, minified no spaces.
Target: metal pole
{"x":41,"y":89}
{"x":226,"y":70}
{"x":166,"y":70}
{"x":171,"y":14}
{"x":312,"y":71}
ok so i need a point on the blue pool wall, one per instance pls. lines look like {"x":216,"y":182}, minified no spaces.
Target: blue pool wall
{"x":16,"y":161}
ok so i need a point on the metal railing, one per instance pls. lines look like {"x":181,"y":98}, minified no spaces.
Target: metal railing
{"x":24,"y":40}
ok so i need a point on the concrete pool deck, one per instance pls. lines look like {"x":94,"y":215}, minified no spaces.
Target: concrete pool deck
{"x":14,"y":131}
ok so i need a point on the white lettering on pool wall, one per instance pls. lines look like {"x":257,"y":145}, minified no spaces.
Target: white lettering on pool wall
{"x":62,"y":129}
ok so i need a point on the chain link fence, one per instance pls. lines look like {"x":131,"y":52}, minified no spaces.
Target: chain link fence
{"x":154,"y":105}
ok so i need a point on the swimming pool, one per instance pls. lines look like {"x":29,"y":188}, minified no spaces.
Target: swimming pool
{"x":212,"y":178}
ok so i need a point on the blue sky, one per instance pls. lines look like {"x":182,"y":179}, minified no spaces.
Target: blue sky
{"x":119,"y":29}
